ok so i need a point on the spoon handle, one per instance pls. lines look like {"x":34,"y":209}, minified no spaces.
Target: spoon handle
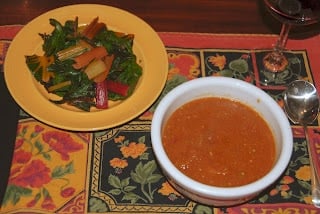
{"x":315,"y":179}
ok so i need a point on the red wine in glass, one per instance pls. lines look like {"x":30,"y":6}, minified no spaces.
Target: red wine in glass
{"x":289,"y":13}
{"x":295,"y":12}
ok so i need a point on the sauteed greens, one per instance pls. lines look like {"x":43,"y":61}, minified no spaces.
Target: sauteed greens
{"x":86,"y":65}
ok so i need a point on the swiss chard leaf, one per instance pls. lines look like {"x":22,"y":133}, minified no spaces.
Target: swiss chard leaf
{"x":80,"y":93}
{"x":125,"y":68}
{"x":60,"y":38}
{"x":115,"y":44}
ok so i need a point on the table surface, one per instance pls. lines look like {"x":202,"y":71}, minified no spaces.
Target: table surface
{"x":207,"y":16}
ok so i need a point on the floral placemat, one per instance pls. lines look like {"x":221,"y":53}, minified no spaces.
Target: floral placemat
{"x":114,"y":170}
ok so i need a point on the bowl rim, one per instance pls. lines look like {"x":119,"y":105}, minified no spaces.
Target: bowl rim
{"x":221,"y":192}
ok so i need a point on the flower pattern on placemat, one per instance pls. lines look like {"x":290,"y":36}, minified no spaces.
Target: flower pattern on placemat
{"x":46,"y":167}
{"x":115,"y":171}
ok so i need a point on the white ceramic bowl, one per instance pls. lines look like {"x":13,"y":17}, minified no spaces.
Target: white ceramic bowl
{"x":245,"y":93}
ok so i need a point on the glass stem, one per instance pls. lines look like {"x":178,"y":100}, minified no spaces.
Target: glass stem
{"x":283,"y":37}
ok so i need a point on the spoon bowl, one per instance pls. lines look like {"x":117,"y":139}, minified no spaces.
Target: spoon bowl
{"x":301,"y":104}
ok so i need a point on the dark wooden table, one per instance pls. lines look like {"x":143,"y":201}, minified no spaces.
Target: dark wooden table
{"x":211,"y":16}
{"x":205,"y":16}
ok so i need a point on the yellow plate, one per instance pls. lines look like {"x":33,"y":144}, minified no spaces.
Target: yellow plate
{"x":148,"y":47}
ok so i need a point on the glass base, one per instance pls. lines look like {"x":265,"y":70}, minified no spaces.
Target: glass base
{"x":275,"y":62}
{"x":277,"y":70}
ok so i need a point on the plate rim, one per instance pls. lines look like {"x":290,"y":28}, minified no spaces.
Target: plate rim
{"x":94,"y":118}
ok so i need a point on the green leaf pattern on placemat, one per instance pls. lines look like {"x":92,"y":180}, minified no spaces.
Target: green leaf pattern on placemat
{"x":128,"y":170}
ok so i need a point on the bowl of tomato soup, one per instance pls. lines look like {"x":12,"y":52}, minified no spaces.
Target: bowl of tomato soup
{"x":220,"y":141}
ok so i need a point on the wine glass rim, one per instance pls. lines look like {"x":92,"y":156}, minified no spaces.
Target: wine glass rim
{"x":309,"y":19}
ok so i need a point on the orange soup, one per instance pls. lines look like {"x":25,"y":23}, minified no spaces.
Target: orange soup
{"x":219,"y":141}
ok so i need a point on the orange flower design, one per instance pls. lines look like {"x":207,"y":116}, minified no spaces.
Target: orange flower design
{"x":44,"y":167}
{"x":119,"y":139}
{"x":67,"y":192}
{"x":118,"y":163}
{"x":274,"y":192}
{"x":184,"y":64}
{"x":133,"y":150}
{"x":167,"y":189}
{"x":21,"y":157}
{"x":283,"y":188}
{"x":62,"y":143}
{"x":219,"y":61}
{"x":35,"y":174}
{"x":18,"y":143}
{"x":287,"y":180}
{"x":303,"y":173}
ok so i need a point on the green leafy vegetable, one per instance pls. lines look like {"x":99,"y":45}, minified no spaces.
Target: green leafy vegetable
{"x":55,"y":69}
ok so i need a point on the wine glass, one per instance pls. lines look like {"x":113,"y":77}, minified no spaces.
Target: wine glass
{"x":289,"y":13}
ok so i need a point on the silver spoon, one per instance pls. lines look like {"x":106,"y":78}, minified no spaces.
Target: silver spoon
{"x":301,"y":103}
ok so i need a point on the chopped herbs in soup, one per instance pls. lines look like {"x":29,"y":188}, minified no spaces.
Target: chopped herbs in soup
{"x":219,"y":142}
